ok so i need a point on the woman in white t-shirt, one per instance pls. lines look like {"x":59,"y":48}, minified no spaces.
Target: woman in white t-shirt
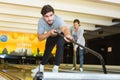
{"x":77,"y":33}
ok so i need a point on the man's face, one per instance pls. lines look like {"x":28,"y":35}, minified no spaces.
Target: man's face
{"x":49,"y":17}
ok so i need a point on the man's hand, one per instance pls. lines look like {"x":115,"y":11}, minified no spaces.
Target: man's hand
{"x":53,"y":32}
{"x":68,"y":38}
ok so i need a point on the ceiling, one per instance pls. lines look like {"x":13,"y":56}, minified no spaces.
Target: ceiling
{"x":99,"y":18}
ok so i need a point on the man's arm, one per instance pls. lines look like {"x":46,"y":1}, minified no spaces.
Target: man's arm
{"x":43,"y":36}
{"x":67,"y":33}
{"x":65,"y":30}
{"x":46,"y":35}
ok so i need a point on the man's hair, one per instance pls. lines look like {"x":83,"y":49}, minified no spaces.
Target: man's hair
{"x":46,"y":9}
{"x":76,"y":20}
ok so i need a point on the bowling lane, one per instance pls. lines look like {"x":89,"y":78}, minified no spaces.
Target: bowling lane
{"x":23,"y":72}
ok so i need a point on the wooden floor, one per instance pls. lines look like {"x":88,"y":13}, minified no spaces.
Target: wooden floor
{"x":23,"y":72}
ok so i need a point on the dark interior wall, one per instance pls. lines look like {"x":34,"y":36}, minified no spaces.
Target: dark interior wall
{"x":68,"y":53}
{"x":101,"y":46}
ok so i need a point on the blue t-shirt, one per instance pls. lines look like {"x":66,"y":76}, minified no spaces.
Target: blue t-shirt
{"x":44,"y":27}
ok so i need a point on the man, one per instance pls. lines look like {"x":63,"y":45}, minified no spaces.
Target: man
{"x":48,"y":25}
{"x":77,"y":33}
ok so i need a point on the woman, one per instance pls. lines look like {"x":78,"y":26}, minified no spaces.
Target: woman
{"x":77,"y":33}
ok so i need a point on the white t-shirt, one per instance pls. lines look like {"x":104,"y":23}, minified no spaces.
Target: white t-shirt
{"x":78,"y":36}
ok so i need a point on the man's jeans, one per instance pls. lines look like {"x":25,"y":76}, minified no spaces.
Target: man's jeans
{"x":50,"y":43}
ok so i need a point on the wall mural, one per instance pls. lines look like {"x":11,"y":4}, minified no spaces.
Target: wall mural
{"x":23,"y":44}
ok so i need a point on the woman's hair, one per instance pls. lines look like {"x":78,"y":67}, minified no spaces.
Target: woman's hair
{"x":76,"y":20}
{"x":46,"y":9}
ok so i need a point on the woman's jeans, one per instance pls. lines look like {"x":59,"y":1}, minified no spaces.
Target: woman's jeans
{"x":79,"y":53}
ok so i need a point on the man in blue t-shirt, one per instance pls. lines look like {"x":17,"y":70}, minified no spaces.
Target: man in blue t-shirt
{"x":48,"y":25}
